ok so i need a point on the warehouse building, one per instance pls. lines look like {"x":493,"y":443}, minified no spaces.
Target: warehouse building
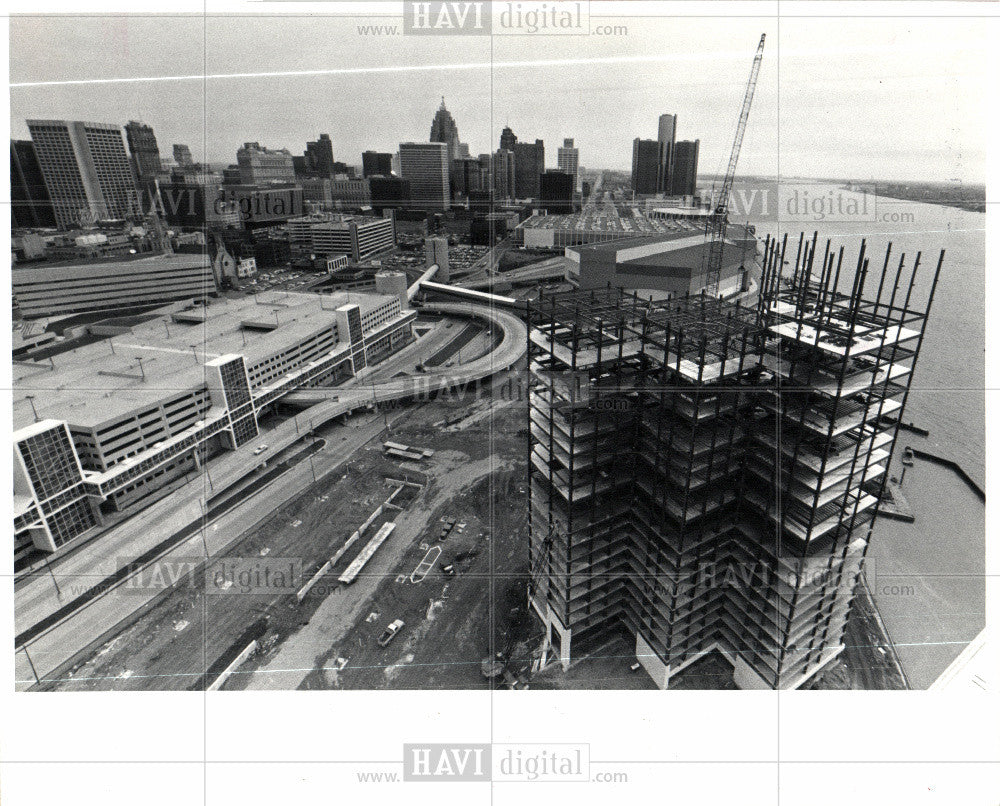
{"x":674,"y":263}
{"x":114,"y":421}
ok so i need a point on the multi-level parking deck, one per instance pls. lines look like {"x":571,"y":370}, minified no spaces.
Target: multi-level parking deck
{"x":679,"y":443}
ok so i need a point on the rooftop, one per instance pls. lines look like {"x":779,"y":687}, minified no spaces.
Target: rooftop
{"x":690,"y":257}
{"x":609,"y":218}
{"x":102,"y":381}
{"x":123,"y":264}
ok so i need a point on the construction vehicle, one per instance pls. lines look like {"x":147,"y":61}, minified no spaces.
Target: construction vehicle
{"x":716,"y":226}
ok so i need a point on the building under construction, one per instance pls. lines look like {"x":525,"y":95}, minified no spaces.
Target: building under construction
{"x":704,"y":474}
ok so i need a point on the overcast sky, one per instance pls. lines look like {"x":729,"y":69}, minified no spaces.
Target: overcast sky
{"x":871,"y":98}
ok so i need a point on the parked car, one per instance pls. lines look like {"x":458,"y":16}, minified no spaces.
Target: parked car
{"x":391,"y":632}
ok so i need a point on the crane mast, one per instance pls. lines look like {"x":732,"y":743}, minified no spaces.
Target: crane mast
{"x":720,"y":215}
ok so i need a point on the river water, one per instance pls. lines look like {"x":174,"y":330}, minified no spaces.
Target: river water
{"x":927,"y":577}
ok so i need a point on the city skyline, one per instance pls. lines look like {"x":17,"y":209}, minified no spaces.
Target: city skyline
{"x":802,"y":130}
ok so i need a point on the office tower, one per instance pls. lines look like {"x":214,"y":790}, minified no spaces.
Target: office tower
{"x":425,"y":167}
{"x":556,"y":192}
{"x":182,"y":155}
{"x":529,"y":164}
{"x":259,"y":165}
{"x":29,"y":199}
{"x":466,"y":176}
{"x":502,"y":175}
{"x":507,"y":139}
{"x":444,"y":130}
{"x":666,"y":136}
{"x":145,"y":161}
{"x":704,"y":475}
{"x":568,"y":160}
{"x":323,"y":234}
{"x":319,"y":157}
{"x":486,"y":171}
{"x":376,"y":163}
{"x":645,"y":166}
{"x":145,"y":153}
{"x":86,"y":170}
{"x":684,"y":181}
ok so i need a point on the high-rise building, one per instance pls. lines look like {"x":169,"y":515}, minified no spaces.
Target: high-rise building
{"x":500,"y":179}
{"x":667,"y":133}
{"x":86,"y":170}
{"x":466,"y":176}
{"x":145,"y":152}
{"x":182,"y":155}
{"x":556,"y":192}
{"x":425,"y":166}
{"x":645,"y":166}
{"x":568,"y":160}
{"x":529,"y":165}
{"x":444,"y":130}
{"x":684,"y":181}
{"x":145,"y":161}
{"x":507,"y":139}
{"x":29,"y":199}
{"x":319,"y":157}
{"x":704,"y":476}
{"x":259,"y":165}
{"x":376,"y":163}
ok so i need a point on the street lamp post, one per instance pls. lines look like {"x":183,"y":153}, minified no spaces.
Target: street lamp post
{"x":54,"y":580}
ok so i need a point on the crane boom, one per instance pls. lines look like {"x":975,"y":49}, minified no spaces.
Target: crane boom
{"x":720,"y":215}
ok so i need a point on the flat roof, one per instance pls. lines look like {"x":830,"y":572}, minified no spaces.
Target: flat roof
{"x":123,"y":264}
{"x":608,"y":218}
{"x":91,"y":385}
{"x":687,"y":257}
{"x":620,"y":245}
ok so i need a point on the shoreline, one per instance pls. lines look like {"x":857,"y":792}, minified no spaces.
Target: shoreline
{"x":968,"y":206}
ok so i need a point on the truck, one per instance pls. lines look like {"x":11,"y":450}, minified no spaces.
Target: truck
{"x":391,"y":632}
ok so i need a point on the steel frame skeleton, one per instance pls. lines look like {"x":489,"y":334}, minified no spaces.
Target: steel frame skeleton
{"x":704,"y":474}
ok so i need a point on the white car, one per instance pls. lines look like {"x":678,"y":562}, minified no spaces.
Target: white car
{"x":259,"y":450}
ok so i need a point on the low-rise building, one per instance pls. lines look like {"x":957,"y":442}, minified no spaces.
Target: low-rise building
{"x":669,"y":264}
{"x":103,"y":428}
{"x":50,"y":290}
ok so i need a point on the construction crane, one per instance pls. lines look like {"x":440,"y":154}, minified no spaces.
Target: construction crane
{"x":720,"y":215}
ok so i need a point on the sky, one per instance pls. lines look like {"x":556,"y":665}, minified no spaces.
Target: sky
{"x":890,"y":99}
